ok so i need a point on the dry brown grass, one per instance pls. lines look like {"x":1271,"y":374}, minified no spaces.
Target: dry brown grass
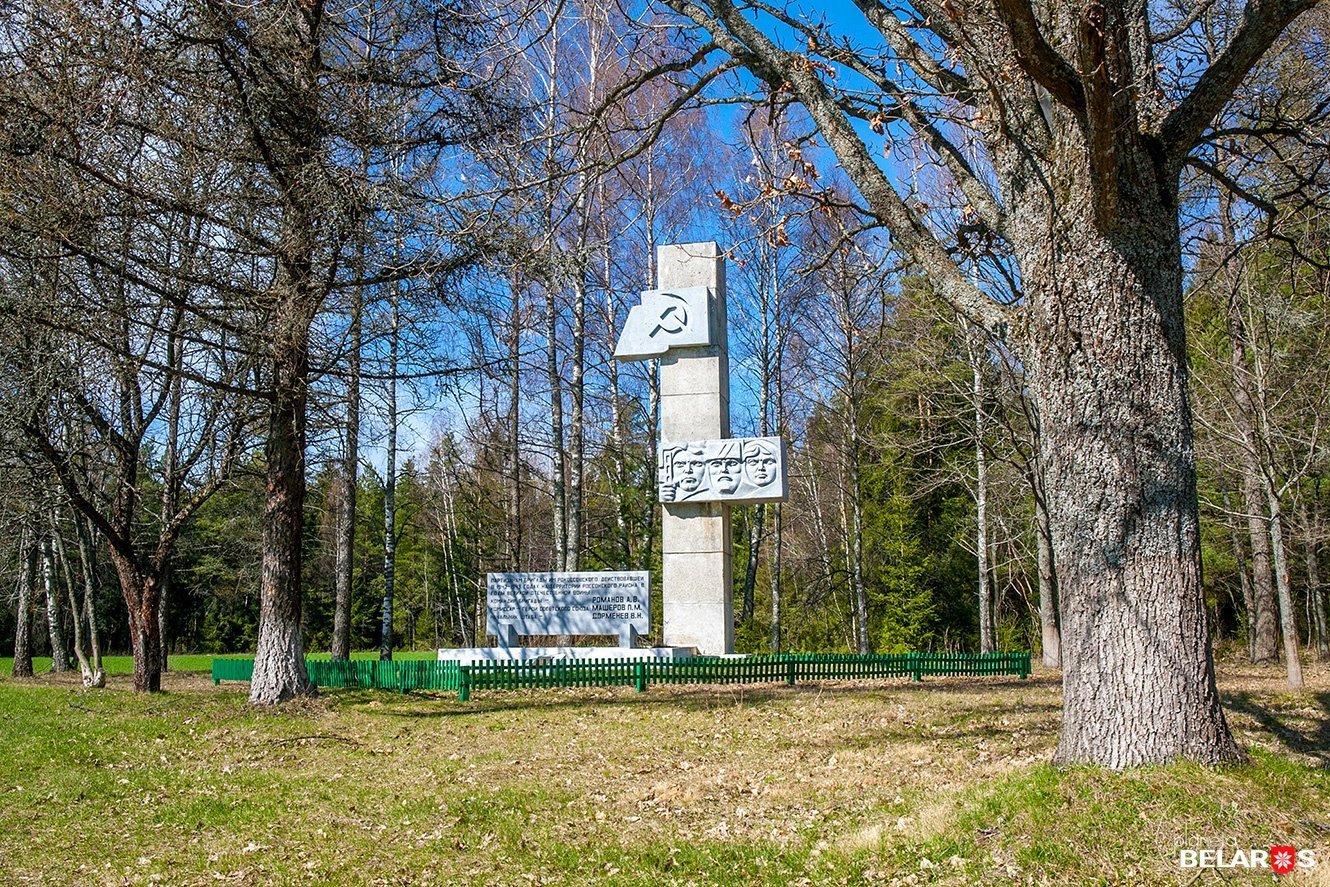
{"x":946,"y":781}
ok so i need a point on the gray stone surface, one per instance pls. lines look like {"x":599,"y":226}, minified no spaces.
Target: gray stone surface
{"x":735,"y":470}
{"x":695,"y":386}
{"x":679,"y":317}
{"x":583,"y":603}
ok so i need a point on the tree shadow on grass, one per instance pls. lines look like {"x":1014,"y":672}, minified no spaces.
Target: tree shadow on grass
{"x":1313,"y":742}
{"x":689,"y":698}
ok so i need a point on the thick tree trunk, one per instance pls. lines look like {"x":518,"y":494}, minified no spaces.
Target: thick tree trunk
{"x":23,"y":617}
{"x":279,"y":660}
{"x":143,"y":626}
{"x":1051,"y":639}
{"x":1110,"y":376}
{"x":140,"y":594}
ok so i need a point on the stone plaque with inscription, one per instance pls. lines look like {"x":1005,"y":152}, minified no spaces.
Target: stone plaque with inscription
{"x":585,"y":603}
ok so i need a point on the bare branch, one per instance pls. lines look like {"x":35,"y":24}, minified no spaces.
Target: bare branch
{"x":1263,"y":21}
{"x":1040,"y":60}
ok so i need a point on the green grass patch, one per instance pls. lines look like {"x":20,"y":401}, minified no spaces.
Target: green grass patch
{"x":116,"y":664}
{"x":940,"y":782}
{"x":195,"y":662}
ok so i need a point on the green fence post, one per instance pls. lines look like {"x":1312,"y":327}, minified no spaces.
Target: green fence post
{"x":640,"y":672}
{"x":463,"y":684}
{"x":789,"y":672}
{"x":916,"y":667}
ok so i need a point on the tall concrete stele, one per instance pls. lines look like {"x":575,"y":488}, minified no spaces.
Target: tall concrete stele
{"x":683,"y":323}
{"x":701,"y":470}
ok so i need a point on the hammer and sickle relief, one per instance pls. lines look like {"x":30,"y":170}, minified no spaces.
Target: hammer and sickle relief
{"x":665,"y":320}
{"x":674,"y":318}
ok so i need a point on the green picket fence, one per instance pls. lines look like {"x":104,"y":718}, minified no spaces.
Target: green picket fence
{"x":400,"y":675}
{"x":404,"y":676}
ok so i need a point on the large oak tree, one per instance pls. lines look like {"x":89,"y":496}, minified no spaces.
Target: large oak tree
{"x":1063,"y":143}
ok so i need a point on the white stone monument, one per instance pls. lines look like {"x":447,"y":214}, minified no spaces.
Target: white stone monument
{"x":702,"y":470}
{"x":740,"y":471}
{"x":574,"y":603}
{"x":581,"y":603}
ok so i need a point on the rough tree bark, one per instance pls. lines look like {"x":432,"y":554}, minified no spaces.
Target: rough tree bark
{"x":22,"y":667}
{"x":139,"y":588}
{"x":1118,"y":452}
{"x":279,"y":660}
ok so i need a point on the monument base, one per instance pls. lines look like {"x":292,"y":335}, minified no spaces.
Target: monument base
{"x":470,"y":655}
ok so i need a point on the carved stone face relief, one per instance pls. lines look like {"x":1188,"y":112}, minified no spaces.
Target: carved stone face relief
{"x":723,"y":465}
{"x":735,"y":470}
{"x":690,"y":468}
{"x":761,"y":461}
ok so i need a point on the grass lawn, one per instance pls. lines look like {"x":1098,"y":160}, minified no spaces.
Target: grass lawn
{"x":194,"y":662}
{"x":947,"y":781}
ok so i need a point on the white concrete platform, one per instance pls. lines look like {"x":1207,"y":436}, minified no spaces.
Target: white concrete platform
{"x":470,"y":655}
